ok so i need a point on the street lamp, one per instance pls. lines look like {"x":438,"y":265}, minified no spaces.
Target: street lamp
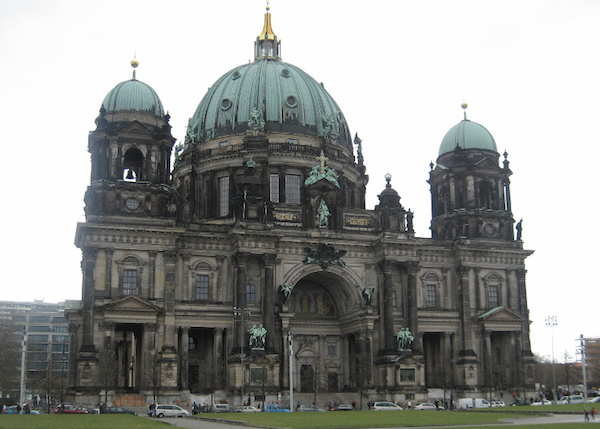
{"x":242,"y":314}
{"x":551,"y":322}
{"x":62,"y":369}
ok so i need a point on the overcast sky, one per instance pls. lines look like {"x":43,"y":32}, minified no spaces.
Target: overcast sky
{"x":399,"y":71}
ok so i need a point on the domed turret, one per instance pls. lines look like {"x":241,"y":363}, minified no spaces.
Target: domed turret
{"x":467,"y":135}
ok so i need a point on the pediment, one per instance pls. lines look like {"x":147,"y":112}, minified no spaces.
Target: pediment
{"x":130,"y":303}
{"x":486,"y":162}
{"x":500,"y":314}
{"x":135,"y":127}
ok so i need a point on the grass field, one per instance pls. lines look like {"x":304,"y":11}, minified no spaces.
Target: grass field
{"x":351,"y":419}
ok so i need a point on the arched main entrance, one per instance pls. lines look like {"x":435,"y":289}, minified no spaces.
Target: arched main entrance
{"x":331,"y":335}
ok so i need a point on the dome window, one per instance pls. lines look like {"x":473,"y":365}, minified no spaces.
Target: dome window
{"x":291,"y":101}
{"x":225,"y":104}
{"x":285,"y":73}
{"x":236,"y":74}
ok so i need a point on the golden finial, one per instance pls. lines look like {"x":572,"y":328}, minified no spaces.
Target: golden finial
{"x":464,"y":105}
{"x":268,"y":8}
{"x":134,"y":63}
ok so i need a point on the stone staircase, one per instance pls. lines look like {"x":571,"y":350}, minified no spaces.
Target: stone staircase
{"x":129,"y":400}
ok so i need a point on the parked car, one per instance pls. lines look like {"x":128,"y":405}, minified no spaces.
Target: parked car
{"x":309,"y":407}
{"x":250,"y":409}
{"x":161,"y":411}
{"x":69,"y":409}
{"x":428,"y":406}
{"x":464,"y":403}
{"x":13,"y":410}
{"x":222,"y":408}
{"x":573,"y":399}
{"x":594,"y":400}
{"x":498,"y":404}
{"x":386,"y":406}
{"x":274,"y":408}
{"x":118,"y":410}
{"x":343,"y":407}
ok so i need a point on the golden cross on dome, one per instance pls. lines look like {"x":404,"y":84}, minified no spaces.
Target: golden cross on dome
{"x":322,"y":158}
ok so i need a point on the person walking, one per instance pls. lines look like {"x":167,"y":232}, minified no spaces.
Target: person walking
{"x":593,"y":413}
{"x":586,"y":414}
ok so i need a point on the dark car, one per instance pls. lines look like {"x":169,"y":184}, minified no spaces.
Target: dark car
{"x":69,"y":409}
{"x":118,"y":410}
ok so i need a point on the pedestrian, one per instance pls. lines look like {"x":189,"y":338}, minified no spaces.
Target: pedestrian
{"x":593,"y":413}
{"x":353,"y":404}
{"x":586,"y":412}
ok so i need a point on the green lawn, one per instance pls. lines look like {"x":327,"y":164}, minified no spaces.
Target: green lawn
{"x":350,"y":419}
{"x":81,"y":421}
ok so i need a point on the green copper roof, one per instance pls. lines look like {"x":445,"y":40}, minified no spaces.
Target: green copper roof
{"x":280,"y":94}
{"x":133,"y":95}
{"x":467,"y":135}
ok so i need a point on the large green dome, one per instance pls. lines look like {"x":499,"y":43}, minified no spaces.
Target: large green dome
{"x":467,"y":135}
{"x":133,"y":95}
{"x":288,"y":99}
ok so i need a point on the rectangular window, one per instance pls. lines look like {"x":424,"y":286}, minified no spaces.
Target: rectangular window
{"x":37,"y":347}
{"x":60,"y":347}
{"x":19,"y":318}
{"x":258,"y":375}
{"x":191,"y":343}
{"x":129,"y":282}
{"x":493,"y":296}
{"x":59,"y":338}
{"x":37,"y":338}
{"x":274,"y":187}
{"x":36,"y":365}
{"x":250,"y":293}
{"x":60,"y":366}
{"x":407,"y":374}
{"x":223,"y":196}
{"x":201,"y":289}
{"x":292,"y":188}
{"x":60,"y":329}
{"x":430,"y":297}
{"x":39,"y":319}
{"x":39,"y":329}
{"x":60,"y":320}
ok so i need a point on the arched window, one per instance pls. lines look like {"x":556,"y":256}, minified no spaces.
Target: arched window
{"x":202,"y":275}
{"x":493,"y":286}
{"x":485,"y":195}
{"x":130,"y":275}
{"x":430,"y":290}
{"x":133,"y":161}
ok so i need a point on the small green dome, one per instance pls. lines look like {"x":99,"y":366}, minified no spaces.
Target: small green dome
{"x":287,"y":99}
{"x":467,"y":135}
{"x":133,"y":95}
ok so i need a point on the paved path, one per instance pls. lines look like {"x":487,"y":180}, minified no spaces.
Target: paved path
{"x":196,"y":423}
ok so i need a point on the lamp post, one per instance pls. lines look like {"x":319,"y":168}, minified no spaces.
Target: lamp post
{"x":583,"y":365}
{"x":22,"y":383}
{"x":242,"y":314}
{"x":551,"y":322}
{"x":62,"y":373}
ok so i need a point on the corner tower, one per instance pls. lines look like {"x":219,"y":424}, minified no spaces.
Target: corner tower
{"x":470,"y":192}
{"x":130,"y":149}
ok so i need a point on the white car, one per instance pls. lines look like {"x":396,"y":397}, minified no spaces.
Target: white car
{"x":166,"y":410}
{"x":386,"y":406}
{"x":498,"y":404}
{"x":250,"y":409}
{"x":428,"y":406}
{"x":573,"y":399}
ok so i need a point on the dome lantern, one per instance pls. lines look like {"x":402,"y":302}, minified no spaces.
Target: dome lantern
{"x":267,"y":44}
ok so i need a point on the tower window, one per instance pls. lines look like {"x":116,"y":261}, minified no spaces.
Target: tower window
{"x":292,"y":188}
{"x":430,"y":296}
{"x":485,"y":195}
{"x":223,"y":196}
{"x":274,"y":187}
{"x":250,"y":293}
{"x":493,"y":296}
{"x":201,"y":287}
{"x":129,"y":282}
{"x":133,"y":162}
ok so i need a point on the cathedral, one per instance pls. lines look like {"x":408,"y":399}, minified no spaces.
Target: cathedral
{"x":242,"y":262}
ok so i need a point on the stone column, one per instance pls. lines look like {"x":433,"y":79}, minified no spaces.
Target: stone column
{"x":370,"y":358}
{"x":388,"y":307}
{"x":413,"y":306}
{"x":109,"y":252}
{"x":218,"y":362}
{"x":240,"y":260}
{"x":73,"y":347}
{"x":152,"y":275}
{"x":185,"y":278}
{"x":184,"y":332}
{"x":170,"y":334}
{"x":87,"y":266}
{"x":269,"y":294}
{"x":149,"y":346}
